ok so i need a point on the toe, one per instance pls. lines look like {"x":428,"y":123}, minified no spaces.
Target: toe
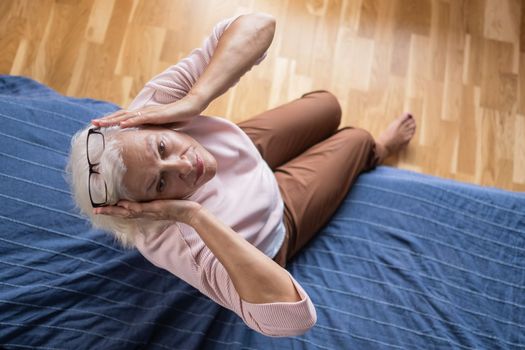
{"x":402,"y":117}
{"x":408,"y":123}
{"x":405,"y":121}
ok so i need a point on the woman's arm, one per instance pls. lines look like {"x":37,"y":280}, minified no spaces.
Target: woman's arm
{"x":221,"y":264}
{"x":245,"y":40}
{"x":188,"y":87}
{"x":257,"y":278}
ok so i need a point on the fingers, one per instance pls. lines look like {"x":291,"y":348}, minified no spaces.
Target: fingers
{"x":144,"y":209}
{"x":108,"y":118}
{"x":123,"y":118}
{"x":133,"y":207}
{"x":177,"y":210}
{"x":122,"y":209}
{"x":112,"y":210}
{"x":128,"y":209}
{"x":115,"y":120}
{"x":138,"y":120}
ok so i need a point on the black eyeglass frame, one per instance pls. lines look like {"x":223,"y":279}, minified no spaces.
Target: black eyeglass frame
{"x":93,"y":171}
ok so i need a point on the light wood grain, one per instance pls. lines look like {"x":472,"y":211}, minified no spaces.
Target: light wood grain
{"x":457,"y":65}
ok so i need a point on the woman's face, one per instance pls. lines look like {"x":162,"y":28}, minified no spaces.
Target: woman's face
{"x":164,"y":164}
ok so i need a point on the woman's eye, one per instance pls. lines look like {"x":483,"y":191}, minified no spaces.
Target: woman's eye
{"x":162,"y":148}
{"x":161,"y":185}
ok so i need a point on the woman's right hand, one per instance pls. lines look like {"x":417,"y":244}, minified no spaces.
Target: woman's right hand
{"x":178,"y":113}
{"x":180,"y":210}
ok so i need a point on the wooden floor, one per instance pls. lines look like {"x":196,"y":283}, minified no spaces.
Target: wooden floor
{"x":457,"y":65}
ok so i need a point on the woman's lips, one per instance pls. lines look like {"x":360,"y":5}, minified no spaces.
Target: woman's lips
{"x":199,"y":168}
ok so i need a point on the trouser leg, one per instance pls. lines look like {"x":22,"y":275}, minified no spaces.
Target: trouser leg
{"x":314,"y":184}
{"x":284,"y":132}
{"x":314,"y":163}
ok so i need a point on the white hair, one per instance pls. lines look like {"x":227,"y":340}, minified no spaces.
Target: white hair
{"x":112,"y":170}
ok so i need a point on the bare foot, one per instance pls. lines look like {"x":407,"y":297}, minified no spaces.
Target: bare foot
{"x":397,"y":135}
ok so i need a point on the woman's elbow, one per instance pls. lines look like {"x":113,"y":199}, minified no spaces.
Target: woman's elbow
{"x":264,"y":18}
{"x":268,"y":20}
{"x":263,"y":22}
{"x":288,"y":332}
{"x":289,"y":323}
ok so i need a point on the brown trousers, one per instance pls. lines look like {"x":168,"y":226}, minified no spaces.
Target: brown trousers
{"x":315,"y":164}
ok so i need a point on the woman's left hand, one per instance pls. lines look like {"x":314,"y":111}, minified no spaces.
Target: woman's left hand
{"x":163,"y":209}
{"x":177,"y":113}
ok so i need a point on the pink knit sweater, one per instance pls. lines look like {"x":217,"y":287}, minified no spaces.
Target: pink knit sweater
{"x":244,"y":195}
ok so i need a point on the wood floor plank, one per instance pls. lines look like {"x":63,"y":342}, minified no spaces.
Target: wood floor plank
{"x":457,"y":65}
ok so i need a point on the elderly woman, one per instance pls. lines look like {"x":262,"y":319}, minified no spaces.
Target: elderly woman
{"x":220,"y":205}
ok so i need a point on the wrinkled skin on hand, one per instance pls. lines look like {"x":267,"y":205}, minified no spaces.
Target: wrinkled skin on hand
{"x":176,"y":210}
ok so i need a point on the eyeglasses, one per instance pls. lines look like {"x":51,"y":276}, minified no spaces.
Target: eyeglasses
{"x":95,"y":139}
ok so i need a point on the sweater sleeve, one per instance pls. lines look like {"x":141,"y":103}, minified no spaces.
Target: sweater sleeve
{"x":180,"y":251}
{"x":176,"y":81}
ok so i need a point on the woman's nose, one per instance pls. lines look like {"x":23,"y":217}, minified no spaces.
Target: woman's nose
{"x":179,"y":165}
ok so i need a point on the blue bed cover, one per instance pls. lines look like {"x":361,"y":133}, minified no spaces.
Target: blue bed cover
{"x":409,"y":261}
